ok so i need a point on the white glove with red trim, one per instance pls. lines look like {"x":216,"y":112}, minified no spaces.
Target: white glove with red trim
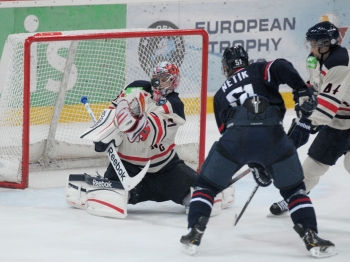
{"x":130,"y":113}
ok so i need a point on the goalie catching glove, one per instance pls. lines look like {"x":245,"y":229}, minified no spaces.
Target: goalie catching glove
{"x":131,"y":119}
{"x":261,"y":177}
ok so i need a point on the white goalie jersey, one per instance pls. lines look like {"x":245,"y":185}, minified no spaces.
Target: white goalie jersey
{"x":157,"y":140}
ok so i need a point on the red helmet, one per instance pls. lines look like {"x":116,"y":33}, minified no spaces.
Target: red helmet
{"x":165,"y":78}
{"x":168,"y":70}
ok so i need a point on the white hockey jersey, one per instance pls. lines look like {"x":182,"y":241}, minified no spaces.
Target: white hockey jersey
{"x":331,"y":81}
{"x":157,"y":140}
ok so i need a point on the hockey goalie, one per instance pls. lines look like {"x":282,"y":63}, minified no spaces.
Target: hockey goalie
{"x":138,"y":134}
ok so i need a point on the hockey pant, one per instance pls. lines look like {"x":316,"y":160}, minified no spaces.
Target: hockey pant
{"x":329,"y":145}
{"x":173,"y":182}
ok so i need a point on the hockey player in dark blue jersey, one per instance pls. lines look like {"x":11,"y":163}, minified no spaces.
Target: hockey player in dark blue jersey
{"x":249,"y":111}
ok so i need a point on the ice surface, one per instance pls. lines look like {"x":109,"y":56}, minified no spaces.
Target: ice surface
{"x":37,"y":225}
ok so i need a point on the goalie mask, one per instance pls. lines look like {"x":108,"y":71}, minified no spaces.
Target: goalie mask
{"x":233,"y":57}
{"x":165,"y":79}
{"x":322,"y":34}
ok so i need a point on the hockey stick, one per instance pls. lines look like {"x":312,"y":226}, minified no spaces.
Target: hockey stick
{"x":239,"y":176}
{"x":290,"y":130}
{"x":246,"y":204}
{"x":257,"y":186}
{"x":127,"y":181}
{"x":84,"y":100}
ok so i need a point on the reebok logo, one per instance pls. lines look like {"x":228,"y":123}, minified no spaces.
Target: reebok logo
{"x":116,"y":164}
{"x":103,"y":114}
{"x":101,"y":183}
{"x":303,"y":125}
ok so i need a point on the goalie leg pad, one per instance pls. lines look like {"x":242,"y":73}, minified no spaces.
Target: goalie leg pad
{"x":106,"y":200}
{"x":228,"y":196}
{"x":76,"y":190}
{"x":217,"y":205}
{"x":347,"y":161}
{"x":223,"y":200}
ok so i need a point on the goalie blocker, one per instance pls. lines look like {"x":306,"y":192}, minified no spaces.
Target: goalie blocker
{"x":98,"y":196}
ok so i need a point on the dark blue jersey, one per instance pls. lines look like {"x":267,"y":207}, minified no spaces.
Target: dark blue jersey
{"x":177,"y":104}
{"x":260,"y":78}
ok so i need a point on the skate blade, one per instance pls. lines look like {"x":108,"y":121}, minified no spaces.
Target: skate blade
{"x":322,"y":252}
{"x":189,"y":249}
{"x":285,"y":214}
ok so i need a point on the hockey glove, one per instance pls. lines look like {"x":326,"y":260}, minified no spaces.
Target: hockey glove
{"x":305,"y":125}
{"x":261,"y":177}
{"x":299,"y":135}
{"x":128,"y":123}
{"x":131,"y":119}
{"x":305,"y":101}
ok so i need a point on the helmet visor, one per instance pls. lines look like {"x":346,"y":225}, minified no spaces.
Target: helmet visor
{"x":312,"y":44}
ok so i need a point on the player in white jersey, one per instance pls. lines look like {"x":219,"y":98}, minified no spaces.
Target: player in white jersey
{"x":144,"y":119}
{"x":329,"y":72}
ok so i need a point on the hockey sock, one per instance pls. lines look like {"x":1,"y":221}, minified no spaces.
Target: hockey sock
{"x":201,"y":205}
{"x":302,"y":211}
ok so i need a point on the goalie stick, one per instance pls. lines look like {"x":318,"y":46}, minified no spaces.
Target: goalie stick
{"x":257,"y":186}
{"x":127,"y":181}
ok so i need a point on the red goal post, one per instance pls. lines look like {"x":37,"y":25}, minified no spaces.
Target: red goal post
{"x":41,"y":117}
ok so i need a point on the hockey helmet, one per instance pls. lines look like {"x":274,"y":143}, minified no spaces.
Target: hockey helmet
{"x":165,"y":79}
{"x":232,"y":58}
{"x":323,"y":34}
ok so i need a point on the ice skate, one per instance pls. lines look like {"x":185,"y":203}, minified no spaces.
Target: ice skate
{"x":318,"y":247}
{"x":193,"y":239}
{"x":279,"y":209}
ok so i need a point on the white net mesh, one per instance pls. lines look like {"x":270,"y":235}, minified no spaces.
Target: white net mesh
{"x":63,"y":71}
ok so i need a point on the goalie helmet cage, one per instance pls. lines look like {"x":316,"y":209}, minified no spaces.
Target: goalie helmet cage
{"x":41,"y":117}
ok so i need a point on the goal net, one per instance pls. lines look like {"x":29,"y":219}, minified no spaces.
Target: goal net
{"x":44,"y":76}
